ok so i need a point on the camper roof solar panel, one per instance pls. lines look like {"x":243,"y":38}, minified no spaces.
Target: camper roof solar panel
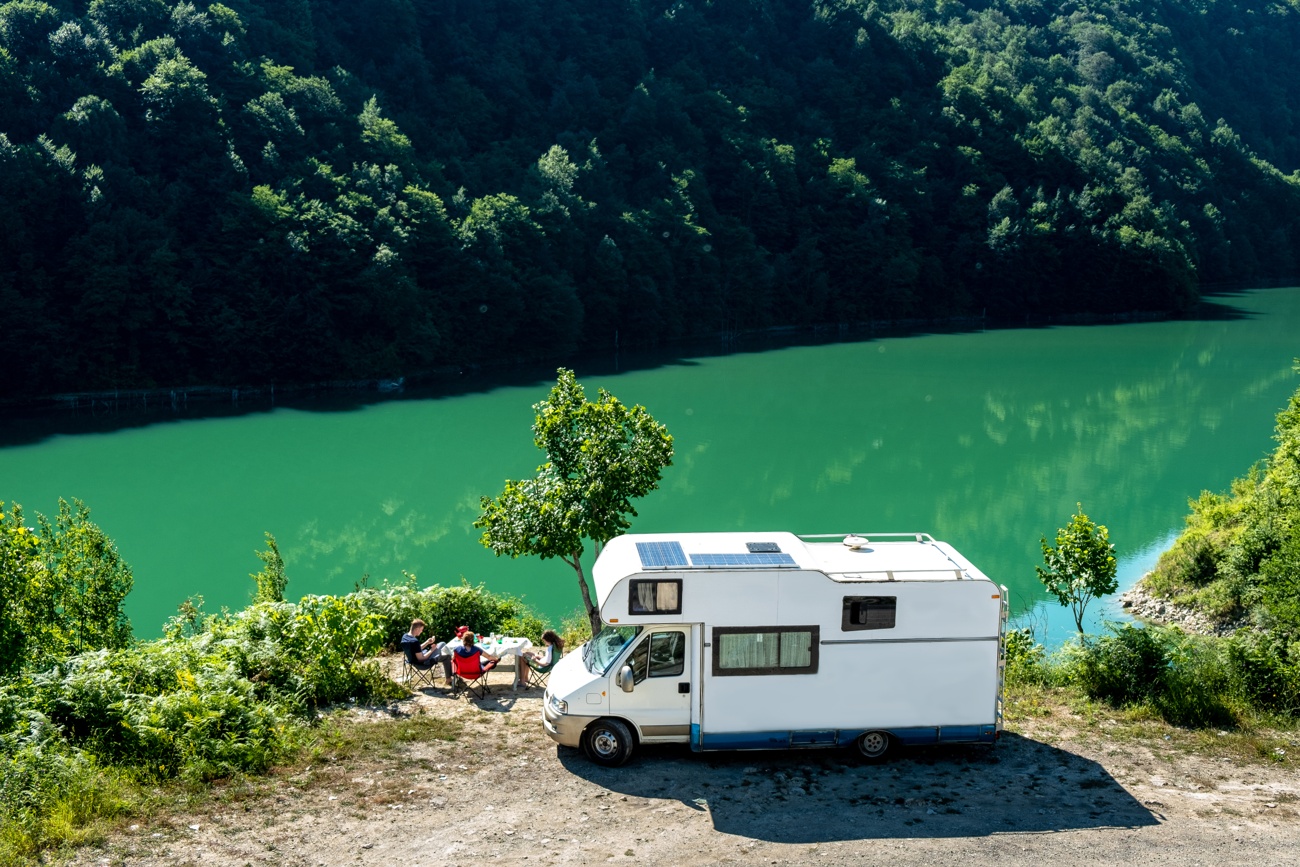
{"x":716,"y":560}
{"x":661,"y":555}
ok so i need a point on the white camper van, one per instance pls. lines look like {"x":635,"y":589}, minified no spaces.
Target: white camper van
{"x":772,"y":641}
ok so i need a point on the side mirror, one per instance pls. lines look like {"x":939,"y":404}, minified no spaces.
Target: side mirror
{"x":625,"y":678}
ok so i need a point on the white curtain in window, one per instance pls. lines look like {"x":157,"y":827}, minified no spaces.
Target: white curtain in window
{"x":667,"y":596}
{"x":796,"y":649}
{"x":645,"y":596}
{"x":747,"y":650}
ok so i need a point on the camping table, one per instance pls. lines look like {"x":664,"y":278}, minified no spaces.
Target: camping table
{"x":508,"y":646}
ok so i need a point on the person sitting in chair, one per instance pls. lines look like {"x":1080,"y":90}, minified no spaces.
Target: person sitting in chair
{"x":468,"y":650}
{"x":543,"y":660}
{"x":424,"y":655}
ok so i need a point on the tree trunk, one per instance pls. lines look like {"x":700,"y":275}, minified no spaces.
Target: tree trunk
{"x":593,"y":613}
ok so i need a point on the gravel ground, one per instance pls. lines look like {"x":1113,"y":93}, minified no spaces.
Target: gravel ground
{"x":503,"y":792}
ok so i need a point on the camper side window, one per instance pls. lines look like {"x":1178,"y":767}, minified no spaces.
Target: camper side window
{"x":869,"y":612}
{"x":663,"y":654}
{"x":654,"y":596}
{"x":748,"y":650}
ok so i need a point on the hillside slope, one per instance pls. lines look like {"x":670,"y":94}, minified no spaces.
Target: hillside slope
{"x":290,"y":191}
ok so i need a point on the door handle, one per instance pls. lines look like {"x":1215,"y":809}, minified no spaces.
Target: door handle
{"x":684,"y":687}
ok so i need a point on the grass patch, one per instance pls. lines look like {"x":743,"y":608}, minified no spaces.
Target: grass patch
{"x":99,"y":801}
{"x":1046,"y":713}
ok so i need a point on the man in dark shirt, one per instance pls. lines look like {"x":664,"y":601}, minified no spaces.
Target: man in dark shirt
{"x":424,"y":655}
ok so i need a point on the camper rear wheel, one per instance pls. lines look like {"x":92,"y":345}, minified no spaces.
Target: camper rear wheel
{"x":608,"y":742}
{"x":873,"y":745}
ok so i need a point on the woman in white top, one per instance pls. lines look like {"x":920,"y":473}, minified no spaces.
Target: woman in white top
{"x":543,"y":660}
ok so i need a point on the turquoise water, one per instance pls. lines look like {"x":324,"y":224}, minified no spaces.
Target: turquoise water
{"x":984,"y":439}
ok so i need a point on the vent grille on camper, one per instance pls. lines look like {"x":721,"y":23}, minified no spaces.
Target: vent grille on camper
{"x":763,"y":547}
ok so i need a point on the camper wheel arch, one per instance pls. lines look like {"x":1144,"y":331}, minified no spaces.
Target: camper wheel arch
{"x":609,"y":742}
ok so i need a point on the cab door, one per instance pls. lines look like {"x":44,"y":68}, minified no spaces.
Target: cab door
{"x":659,"y":702}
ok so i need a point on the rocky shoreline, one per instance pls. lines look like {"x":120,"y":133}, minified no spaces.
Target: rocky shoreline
{"x":1141,"y":605}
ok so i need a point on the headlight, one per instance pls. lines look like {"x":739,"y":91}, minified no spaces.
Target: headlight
{"x":558,"y":706}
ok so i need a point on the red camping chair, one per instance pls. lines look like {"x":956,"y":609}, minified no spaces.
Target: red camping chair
{"x":471,"y":674}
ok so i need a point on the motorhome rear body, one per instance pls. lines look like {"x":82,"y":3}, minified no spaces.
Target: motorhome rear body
{"x":773,"y":641}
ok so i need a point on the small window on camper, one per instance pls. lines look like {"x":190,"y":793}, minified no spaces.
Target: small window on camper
{"x":654,"y":596}
{"x":869,"y":612}
{"x":663,"y":654}
{"x":741,"y":650}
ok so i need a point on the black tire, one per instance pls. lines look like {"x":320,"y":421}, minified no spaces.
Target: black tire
{"x":608,"y":742}
{"x":872,"y":746}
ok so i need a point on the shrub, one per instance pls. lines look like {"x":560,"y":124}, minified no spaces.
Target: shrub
{"x":444,"y":608}
{"x":1196,"y":688}
{"x":1125,"y":667}
{"x":575,"y":629}
{"x":1268,"y":670}
{"x":49,"y":790}
{"x":1025,"y":658}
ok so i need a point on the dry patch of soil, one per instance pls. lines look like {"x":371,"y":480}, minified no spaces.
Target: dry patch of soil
{"x":1053,"y":791}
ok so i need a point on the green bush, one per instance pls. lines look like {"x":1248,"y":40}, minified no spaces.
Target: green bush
{"x":1026,"y":659}
{"x":444,"y":608}
{"x":575,"y":629}
{"x":1268,"y":670}
{"x":218,"y":695}
{"x":49,"y":791}
{"x":1189,"y":680}
{"x":1197,"y":688}
{"x":1125,"y":667}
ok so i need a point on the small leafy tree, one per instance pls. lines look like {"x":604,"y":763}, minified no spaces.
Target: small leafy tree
{"x":600,"y":455}
{"x":1081,"y":565}
{"x":271,"y":581}
{"x":19,"y":548}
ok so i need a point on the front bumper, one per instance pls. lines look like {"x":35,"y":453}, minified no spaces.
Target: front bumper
{"x":565,"y":729}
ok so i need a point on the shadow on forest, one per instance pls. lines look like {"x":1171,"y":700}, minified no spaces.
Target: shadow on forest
{"x":830,"y":795}
{"x":109,"y":412}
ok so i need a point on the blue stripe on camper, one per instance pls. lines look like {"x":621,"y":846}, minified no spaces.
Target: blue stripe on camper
{"x":776,"y":740}
{"x":967,"y":734}
{"x":915,"y":736}
{"x":745,"y":741}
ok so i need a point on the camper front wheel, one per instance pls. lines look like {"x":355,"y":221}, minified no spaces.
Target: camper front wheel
{"x":608,"y":742}
{"x":873,"y":745}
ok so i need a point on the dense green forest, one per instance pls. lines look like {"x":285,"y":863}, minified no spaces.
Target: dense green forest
{"x":301,"y":190}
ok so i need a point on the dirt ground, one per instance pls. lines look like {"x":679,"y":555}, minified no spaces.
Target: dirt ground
{"x":502,"y":792}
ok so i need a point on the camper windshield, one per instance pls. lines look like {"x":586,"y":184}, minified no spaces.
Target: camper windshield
{"x":601,"y":651}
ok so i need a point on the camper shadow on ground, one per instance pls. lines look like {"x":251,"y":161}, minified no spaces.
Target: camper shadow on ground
{"x":830,"y":795}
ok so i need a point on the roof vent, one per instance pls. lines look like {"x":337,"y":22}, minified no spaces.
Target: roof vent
{"x":855,"y":542}
{"x":763,"y":547}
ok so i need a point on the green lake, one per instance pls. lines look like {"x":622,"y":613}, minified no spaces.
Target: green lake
{"x":986,"y":439}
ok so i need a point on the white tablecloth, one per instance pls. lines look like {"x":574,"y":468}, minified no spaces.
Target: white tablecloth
{"x":507,"y":647}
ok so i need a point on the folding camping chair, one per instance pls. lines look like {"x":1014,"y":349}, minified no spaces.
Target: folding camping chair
{"x":537,"y":676}
{"x":413,"y":670}
{"x":470,"y":674}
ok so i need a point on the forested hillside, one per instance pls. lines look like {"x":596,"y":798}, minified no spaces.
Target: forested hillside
{"x":297,"y":190}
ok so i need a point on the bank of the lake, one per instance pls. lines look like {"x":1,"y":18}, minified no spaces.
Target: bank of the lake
{"x":1067,"y":778}
{"x":985,"y":439}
